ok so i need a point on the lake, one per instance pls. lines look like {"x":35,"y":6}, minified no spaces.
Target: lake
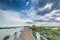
{"x":5,"y":32}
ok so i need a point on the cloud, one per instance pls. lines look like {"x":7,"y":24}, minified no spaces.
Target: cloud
{"x":27,"y":3}
{"x":53,"y":16}
{"x":48,"y":17}
{"x":46,"y":24}
{"x":57,"y":19}
{"x":48,"y":5}
{"x":34,"y":2}
{"x":12,"y":18}
{"x":33,"y":11}
{"x":44,"y":7}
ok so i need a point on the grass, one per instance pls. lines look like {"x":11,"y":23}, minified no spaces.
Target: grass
{"x":6,"y":37}
{"x":50,"y":33}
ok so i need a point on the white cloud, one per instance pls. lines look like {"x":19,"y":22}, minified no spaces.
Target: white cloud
{"x":57,"y":19}
{"x":47,"y":17}
{"x":48,"y":5}
{"x":31,"y":12}
{"x":54,"y":14}
{"x":27,"y":3}
{"x":10,"y":18}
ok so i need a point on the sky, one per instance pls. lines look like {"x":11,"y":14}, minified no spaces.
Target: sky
{"x":29,"y":12}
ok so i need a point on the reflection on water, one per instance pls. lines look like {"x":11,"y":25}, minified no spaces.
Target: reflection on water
{"x":5,"y":32}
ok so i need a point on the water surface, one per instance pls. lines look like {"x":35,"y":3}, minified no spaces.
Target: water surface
{"x":5,"y":32}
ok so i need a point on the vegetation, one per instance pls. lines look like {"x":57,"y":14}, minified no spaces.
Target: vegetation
{"x":6,"y":37}
{"x":51,"y":33}
{"x":9,"y":27}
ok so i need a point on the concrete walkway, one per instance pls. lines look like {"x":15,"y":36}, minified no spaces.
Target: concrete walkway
{"x":26,"y":35}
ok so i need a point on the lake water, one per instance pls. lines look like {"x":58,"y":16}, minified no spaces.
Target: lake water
{"x":5,"y":32}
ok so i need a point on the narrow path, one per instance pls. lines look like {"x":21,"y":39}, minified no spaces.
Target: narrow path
{"x":26,"y":35}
